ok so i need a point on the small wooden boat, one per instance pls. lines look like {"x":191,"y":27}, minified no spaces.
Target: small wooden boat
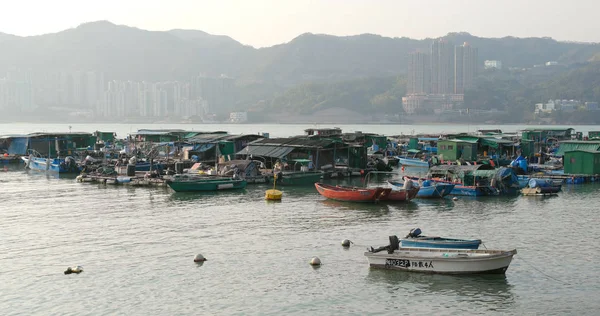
{"x":468,"y":190}
{"x":428,"y":189}
{"x":413,"y":162}
{"x":352,"y":194}
{"x":402,"y":195}
{"x":415,"y":240}
{"x":436,"y":260}
{"x":186,"y":183}
{"x":297,"y":177}
{"x":59,"y":165}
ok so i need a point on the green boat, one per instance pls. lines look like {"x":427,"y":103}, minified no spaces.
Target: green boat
{"x":186,"y":183}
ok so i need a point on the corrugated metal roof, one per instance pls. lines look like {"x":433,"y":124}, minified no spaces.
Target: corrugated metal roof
{"x":468,"y":138}
{"x":294,"y":142}
{"x":158,"y":131}
{"x":266,"y":151}
{"x":208,"y":138}
{"x":496,"y":142}
{"x":71,"y":134}
{"x":13,"y":136}
{"x":458,"y":141}
{"x":542,"y":129}
{"x":583,"y":150}
{"x":577,"y":145}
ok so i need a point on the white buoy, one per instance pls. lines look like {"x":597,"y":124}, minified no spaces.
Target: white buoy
{"x":315,"y":261}
{"x":455,"y":199}
{"x":199,"y":258}
{"x":346,"y":243}
{"x":77,"y":269}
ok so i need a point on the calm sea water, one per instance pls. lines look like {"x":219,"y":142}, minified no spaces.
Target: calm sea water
{"x":137,"y":245}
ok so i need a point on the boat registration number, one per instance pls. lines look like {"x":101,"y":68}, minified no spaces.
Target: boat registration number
{"x":403,"y":263}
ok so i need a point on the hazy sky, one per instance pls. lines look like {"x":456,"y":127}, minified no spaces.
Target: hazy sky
{"x":267,"y":22}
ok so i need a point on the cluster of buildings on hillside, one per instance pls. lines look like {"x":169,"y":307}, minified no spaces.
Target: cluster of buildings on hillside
{"x":16,"y":91}
{"x":565,"y":106}
{"x":438,"y":79}
{"x":88,"y":93}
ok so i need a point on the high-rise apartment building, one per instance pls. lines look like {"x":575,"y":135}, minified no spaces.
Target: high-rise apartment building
{"x":465,"y":67}
{"x":442,"y":67}
{"x":438,"y":81}
{"x":419,"y":73}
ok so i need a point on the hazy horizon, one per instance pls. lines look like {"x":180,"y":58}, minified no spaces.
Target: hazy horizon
{"x":265,"y":23}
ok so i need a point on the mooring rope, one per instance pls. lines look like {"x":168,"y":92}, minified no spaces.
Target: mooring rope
{"x":540,"y":271}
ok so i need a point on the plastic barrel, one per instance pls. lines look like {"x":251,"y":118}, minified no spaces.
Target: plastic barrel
{"x":539,"y":183}
{"x":179,"y":167}
{"x":523,"y":165}
{"x":131,"y":170}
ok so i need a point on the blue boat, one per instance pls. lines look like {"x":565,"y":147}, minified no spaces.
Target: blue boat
{"x":429,"y":189}
{"x":145,"y":166}
{"x":415,"y":240}
{"x":461,"y":189}
{"x":413,"y":162}
{"x":58,"y":165}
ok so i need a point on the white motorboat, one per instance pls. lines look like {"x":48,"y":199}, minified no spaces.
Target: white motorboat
{"x":435,"y":260}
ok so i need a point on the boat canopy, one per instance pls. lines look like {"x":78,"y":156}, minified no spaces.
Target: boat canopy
{"x":301,"y":160}
{"x":413,"y":151}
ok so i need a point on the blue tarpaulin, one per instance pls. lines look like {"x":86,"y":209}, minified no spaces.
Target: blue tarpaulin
{"x":18,"y":146}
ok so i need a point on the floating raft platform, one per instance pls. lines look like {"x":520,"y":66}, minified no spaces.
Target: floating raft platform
{"x":538,"y":192}
{"x":570,"y":178}
{"x":138,"y":180}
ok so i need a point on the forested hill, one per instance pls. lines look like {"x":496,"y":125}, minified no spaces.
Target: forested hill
{"x":130,"y":53}
{"x":364,"y":73}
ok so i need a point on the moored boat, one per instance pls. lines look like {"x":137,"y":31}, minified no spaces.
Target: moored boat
{"x":413,"y":162}
{"x":297,"y":177}
{"x":415,"y":240}
{"x":439,"y":260}
{"x":402,"y":194}
{"x":429,"y":189}
{"x":352,"y":194}
{"x":187,"y":183}
{"x":58,"y":165}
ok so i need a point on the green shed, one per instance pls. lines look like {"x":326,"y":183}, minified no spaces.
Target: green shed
{"x":543,"y":134}
{"x":577,"y":145}
{"x":527,"y":147}
{"x":453,"y":149}
{"x":413,"y":143}
{"x":582,"y":162}
{"x":594,"y":134}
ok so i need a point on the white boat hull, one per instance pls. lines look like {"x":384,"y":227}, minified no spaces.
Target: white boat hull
{"x":445,"y":261}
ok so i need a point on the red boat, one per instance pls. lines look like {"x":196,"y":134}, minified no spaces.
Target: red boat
{"x":402,"y":195}
{"x":352,"y":194}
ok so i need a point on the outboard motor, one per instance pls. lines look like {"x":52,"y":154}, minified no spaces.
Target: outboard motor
{"x":408,"y":184}
{"x":394,"y":244}
{"x":414,"y":233}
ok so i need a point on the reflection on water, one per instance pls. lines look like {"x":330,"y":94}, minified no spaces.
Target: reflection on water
{"x":353,"y":206}
{"x":439,"y":204}
{"x":230,"y":195}
{"x":492,"y":291}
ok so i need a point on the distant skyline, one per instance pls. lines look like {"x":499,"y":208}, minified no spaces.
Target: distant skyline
{"x":262,"y":23}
